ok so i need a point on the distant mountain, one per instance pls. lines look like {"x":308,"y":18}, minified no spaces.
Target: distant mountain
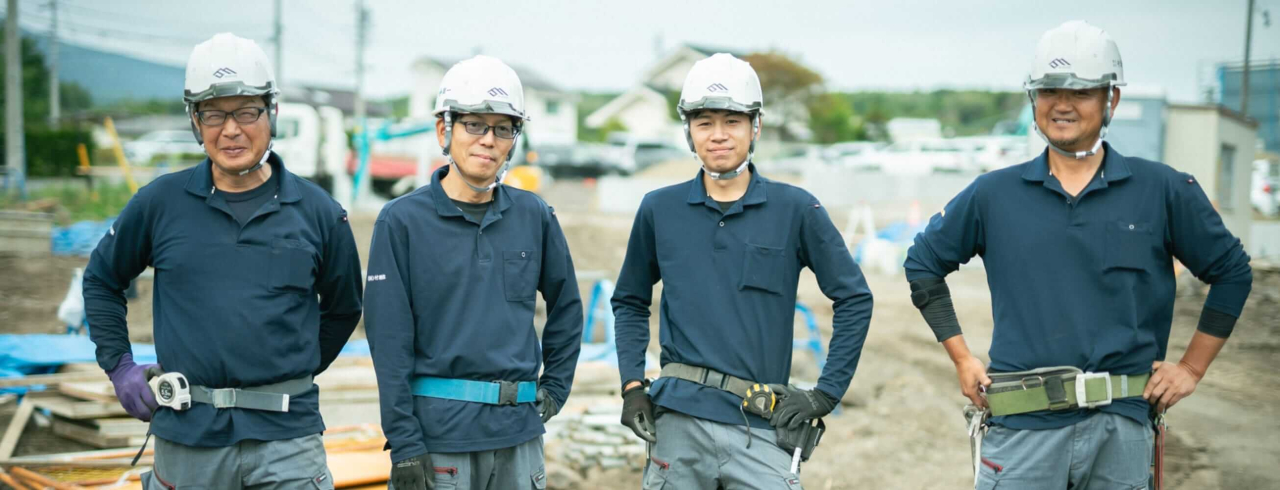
{"x":112,"y":77}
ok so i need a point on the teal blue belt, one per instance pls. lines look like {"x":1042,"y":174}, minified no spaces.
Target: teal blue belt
{"x":491,"y":392}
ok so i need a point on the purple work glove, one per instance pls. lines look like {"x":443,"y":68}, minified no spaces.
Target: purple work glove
{"x":130,"y":381}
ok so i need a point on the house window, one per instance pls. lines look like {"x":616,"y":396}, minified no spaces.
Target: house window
{"x":553,"y":106}
{"x":1226,"y":177}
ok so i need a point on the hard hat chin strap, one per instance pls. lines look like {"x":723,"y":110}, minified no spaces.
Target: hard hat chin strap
{"x":448,"y":143}
{"x":1097,"y":145}
{"x":261,"y":162}
{"x":751,"y":151}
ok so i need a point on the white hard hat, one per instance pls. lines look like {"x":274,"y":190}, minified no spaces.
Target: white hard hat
{"x":1076,"y":55}
{"x":481,"y":85}
{"x":228,"y":65}
{"x":722,"y":82}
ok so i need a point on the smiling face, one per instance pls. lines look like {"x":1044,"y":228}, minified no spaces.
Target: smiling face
{"x":722,"y":139}
{"x":478,"y":156}
{"x":1072,"y":119}
{"x":234,"y":146}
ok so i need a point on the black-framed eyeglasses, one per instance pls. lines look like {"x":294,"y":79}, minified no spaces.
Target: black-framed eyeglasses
{"x":504,"y":131}
{"x":243,"y":115}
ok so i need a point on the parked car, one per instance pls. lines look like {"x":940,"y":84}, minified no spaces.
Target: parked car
{"x":163,"y":143}
{"x":627,"y":154}
{"x":1265,"y":187}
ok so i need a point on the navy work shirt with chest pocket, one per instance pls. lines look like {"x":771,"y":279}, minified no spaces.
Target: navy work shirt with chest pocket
{"x":234,"y":305}
{"x":450,"y":297}
{"x":1084,"y":281}
{"x":729,"y":283}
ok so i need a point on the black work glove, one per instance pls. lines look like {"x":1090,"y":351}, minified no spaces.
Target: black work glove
{"x":547,"y":405}
{"x":800,"y":406}
{"x":637,"y":413}
{"x":414,"y":473}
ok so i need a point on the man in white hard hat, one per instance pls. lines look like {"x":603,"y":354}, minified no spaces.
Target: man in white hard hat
{"x":257,"y":288}
{"x":1078,"y":245}
{"x":728,"y":247}
{"x":454,"y":270}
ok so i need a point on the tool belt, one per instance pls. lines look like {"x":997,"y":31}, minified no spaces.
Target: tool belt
{"x":1059,"y":388}
{"x":707,"y":377}
{"x":466,"y":390}
{"x":272,"y":397}
{"x":806,"y":438}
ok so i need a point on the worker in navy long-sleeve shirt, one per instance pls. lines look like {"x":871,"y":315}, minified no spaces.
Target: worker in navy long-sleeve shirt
{"x":257,"y":283}
{"x":1078,"y":246}
{"x":454,"y":269}
{"x":728,"y":247}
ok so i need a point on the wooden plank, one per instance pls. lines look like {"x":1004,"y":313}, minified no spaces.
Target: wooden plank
{"x":89,"y":435}
{"x":105,"y":463}
{"x":52,"y":379}
{"x":43,"y":481}
{"x":8,"y":480}
{"x":121,"y":426}
{"x":359,"y":468}
{"x":11,"y":435}
{"x":72,"y":408}
{"x":100,"y":391}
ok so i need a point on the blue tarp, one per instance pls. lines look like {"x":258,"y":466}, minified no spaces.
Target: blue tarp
{"x":79,"y":238}
{"x":21,"y":355}
{"x":896,"y":232}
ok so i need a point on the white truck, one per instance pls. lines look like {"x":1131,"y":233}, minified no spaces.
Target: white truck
{"x":313,"y":143}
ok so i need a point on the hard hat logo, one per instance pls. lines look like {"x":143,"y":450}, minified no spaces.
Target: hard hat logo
{"x":716,"y":87}
{"x":1059,"y":63}
{"x":497,"y":92}
{"x":222,"y":72}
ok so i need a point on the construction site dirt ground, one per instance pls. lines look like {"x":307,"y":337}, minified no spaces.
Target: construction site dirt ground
{"x":901,"y":424}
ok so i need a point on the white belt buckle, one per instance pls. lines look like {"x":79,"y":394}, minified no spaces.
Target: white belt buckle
{"x":1081,"y":399}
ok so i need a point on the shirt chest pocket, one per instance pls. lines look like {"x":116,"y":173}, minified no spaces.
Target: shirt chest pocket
{"x":1131,"y":245}
{"x":293,"y":266}
{"x":763,"y":268}
{"x":519,"y":275}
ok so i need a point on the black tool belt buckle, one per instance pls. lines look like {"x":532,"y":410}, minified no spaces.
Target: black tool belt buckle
{"x":507,"y":391}
{"x":713,"y":379}
{"x":1053,"y":390}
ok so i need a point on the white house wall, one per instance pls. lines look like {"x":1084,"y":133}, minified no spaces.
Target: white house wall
{"x":1245,"y":139}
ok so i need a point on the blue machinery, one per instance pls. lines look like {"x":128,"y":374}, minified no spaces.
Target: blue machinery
{"x":600,"y":309}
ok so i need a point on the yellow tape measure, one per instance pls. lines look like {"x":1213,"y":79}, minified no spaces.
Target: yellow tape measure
{"x":760,"y":400}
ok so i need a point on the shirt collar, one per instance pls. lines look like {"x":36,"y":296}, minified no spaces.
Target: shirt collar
{"x":1114,"y":166}
{"x":446,"y":207}
{"x":756,"y":193}
{"x":201,"y":181}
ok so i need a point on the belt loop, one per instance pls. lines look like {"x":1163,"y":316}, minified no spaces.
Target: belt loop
{"x":1124,"y":386}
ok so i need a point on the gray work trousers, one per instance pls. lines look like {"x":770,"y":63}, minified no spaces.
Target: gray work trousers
{"x":290,"y":464}
{"x":1103,"y":452}
{"x":694,"y":453}
{"x":520,"y":467}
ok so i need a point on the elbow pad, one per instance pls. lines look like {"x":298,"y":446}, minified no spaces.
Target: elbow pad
{"x":1216,"y":323}
{"x":933,"y":298}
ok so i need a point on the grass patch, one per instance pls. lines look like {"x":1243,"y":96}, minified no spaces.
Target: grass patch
{"x":71,"y":203}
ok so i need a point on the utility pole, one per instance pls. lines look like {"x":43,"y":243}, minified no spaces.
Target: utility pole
{"x":55,"y":97}
{"x":362,"y":20}
{"x":15,"y":147}
{"x":1244,"y":80}
{"x":279,"y":42}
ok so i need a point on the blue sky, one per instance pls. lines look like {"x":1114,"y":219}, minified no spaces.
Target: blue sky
{"x":605,"y":45}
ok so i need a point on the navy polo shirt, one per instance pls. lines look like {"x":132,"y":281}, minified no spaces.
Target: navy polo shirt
{"x":453,"y":297}
{"x":1084,"y":281}
{"x":234,"y":305}
{"x":729,"y":291}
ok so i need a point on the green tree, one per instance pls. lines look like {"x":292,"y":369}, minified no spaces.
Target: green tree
{"x":789,"y":87}
{"x":832,"y":120}
{"x":35,"y":88}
